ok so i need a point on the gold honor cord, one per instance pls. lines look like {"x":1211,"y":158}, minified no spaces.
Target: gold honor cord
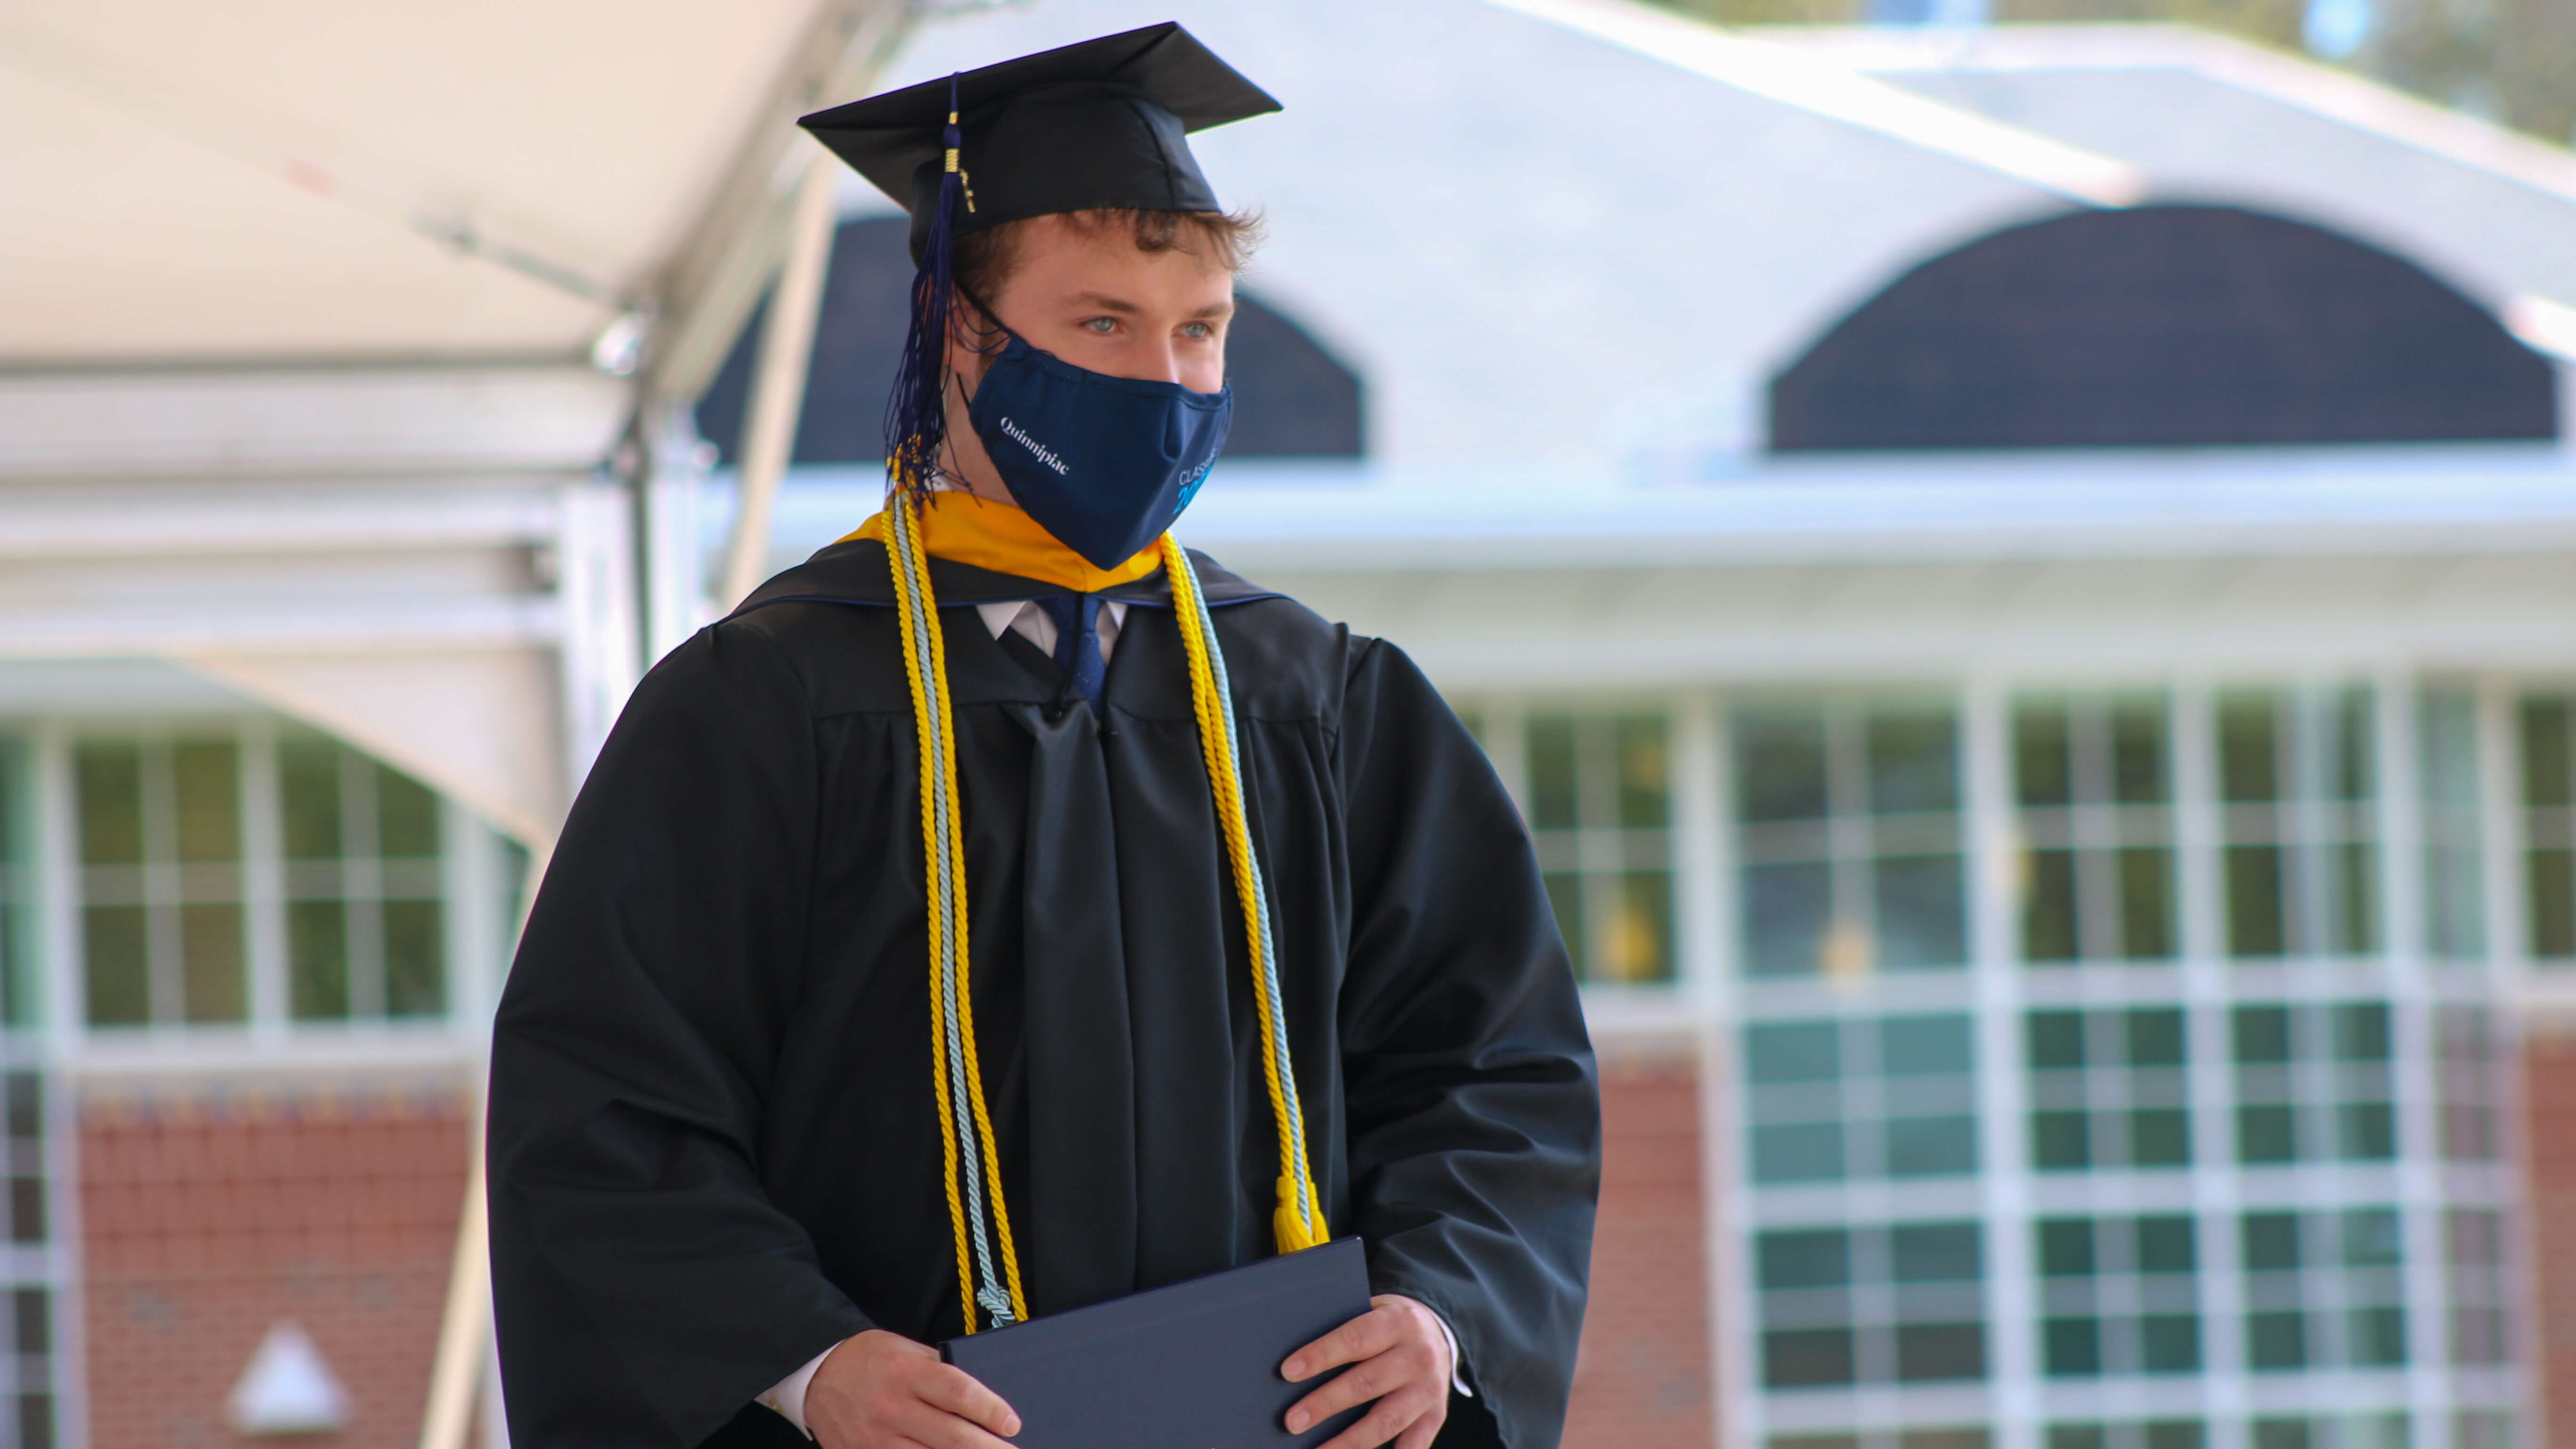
{"x":957,"y":1077}
{"x":1298,"y":1222}
{"x":965,"y":1128}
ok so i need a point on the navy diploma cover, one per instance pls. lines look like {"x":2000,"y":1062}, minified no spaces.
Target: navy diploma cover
{"x":1194,"y":1365}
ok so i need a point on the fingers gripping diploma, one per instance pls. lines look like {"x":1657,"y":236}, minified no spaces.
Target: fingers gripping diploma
{"x":1397,"y":1356}
{"x":880,"y":1390}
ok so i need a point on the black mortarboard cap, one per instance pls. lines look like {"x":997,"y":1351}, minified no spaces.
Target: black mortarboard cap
{"x":1096,"y":124}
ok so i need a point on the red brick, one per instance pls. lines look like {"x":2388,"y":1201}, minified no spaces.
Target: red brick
{"x":1642,"y":1378}
{"x":2549,"y":1084}
{"x":203,"y":1228}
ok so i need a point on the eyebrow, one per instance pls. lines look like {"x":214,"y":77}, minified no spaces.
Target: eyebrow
{"x":1102,"y":301}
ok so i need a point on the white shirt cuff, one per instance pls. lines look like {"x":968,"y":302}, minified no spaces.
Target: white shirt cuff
{"x":1457,"y":1370}
{"x":787,"y":1396}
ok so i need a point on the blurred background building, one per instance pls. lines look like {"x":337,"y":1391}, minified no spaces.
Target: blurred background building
{"x":2024,"y":578}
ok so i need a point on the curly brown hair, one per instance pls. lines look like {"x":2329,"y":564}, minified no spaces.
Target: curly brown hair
{"x":985,"y":259}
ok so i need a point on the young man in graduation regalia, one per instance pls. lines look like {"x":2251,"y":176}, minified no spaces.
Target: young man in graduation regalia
{"x":1006,"y":911}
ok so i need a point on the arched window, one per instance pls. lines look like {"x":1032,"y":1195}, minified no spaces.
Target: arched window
{"x":2162,"y":326}
{"x":1292,"y":399}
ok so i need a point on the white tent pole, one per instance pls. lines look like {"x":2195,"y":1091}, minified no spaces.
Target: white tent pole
{"x":778,"y":379}
{"x":468,"y":1318}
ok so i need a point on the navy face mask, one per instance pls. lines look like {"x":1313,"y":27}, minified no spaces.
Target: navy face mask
{"x":1103,"y":463}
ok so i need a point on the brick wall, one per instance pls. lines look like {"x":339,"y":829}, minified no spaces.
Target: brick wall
{"x":1642,"y":1378}
{"x":207,"y":1217}
{"x":2549,"y":1085}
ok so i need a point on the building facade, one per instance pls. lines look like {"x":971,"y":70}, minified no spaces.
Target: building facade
{"x":2025,"y":586}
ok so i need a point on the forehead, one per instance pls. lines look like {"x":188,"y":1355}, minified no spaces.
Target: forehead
{"x":1054,"y":255}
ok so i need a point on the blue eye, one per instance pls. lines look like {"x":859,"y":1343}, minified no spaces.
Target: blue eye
{"x":1102,"y":325}
{"x":1198,"y":331}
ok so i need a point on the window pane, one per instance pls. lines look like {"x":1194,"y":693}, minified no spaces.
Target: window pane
{"x":2174,"y":1434}
{"x":1931,"y":1146}
{"x":1913,"y":762}
{"x":207,"y":776}
{"x":1930,"y":1351}
{"x":2155,"y":1037}
{"x":2349,"y":764}
{"x":26,"y":1209}
{"x":2371,"y":1238}
{"x":1780,"y":764}
{"x":1784,"y":917}
{"x":118,"y":975}
{"x":1920,"y":918}
{"x":2262,"y":1034}
{"x":406,"y":816}
{"x":1800,"y":1358}
{"x":2146,"y":903}
{"x":415,"y":982}
{"x":2545,"y":773}
{"x":2378,"y":1337}
{"x":210,"y":945}
{"x":2271,"y":1242}
{"x":1639,"y":947}
{"x":2048,"y":917}
{"x":2266,"y":1134}
{"x":1914,"y":1046}
{"x":1935,"y":1252}
{"x":2355,"y":866}
{"x":2255,"y":925}
{"x":2276,"y":1341}
{"x":2066,"y":1247}
{"x":2138,"y":752}
{"x":2074,"y":1347}
{"x":32,"y":1317}
{"x":2550,"y":876}
{"x":110,"y":784}
{"x":26,"y":1093}
{"x":1798,"y":1152}
{"x":2169,"y":1343}
{"x":2281,"y":1434}
{"x":2449,"y":746}
{"x":2056,"y":1039}
{"x":2165,"y":1245}
{"x":2159,"y":1137}
{"x":2060,"y":1141}
{"x":2361,"y":1031}
{"x":308,"y":776}
{"x":2043,"y":760}
{"x":1644,"y":791}
{"x":1800,"y":1051}
{"x":1805,"y":1258}
{"x":2248,"y":748}
{"x":317,"y":934}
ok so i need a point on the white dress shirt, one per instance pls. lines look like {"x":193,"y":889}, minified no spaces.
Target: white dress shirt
{"x":1030,"y":622}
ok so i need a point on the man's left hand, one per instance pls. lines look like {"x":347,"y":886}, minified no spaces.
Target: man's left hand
{"x":1399,"y":1356}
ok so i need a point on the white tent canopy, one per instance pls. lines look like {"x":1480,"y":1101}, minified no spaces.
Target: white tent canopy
{"x":321,"y":326}
{"x":303,"y":179}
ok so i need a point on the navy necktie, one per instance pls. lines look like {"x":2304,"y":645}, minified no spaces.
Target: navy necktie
{"x":1077,"y":642}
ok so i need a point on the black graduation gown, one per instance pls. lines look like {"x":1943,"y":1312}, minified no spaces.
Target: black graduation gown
{"x":714,"y":1149}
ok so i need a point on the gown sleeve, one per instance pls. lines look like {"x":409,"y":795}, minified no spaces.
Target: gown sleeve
{"x":1472,"y":1099}
{"x":646,"y":1289}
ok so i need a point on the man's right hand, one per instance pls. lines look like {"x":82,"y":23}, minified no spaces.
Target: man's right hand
{"x":881,"y":1390}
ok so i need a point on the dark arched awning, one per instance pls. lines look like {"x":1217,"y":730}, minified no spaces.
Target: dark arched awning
{"x":2162,"y":326}
{"x":1292,"y":398}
